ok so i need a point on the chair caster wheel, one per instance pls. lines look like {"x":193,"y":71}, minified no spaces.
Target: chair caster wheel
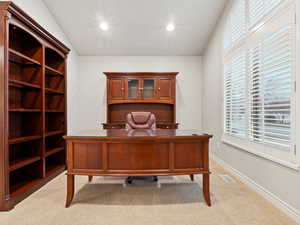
{"x":129,"y":180}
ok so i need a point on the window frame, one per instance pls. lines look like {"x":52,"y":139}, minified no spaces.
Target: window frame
{"x":261,"y":149}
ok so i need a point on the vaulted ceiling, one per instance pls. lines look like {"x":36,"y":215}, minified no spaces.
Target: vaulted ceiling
{"x":137,"y":27}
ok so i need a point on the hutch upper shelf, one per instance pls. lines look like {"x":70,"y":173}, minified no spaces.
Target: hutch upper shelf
{"x":141,"y":87}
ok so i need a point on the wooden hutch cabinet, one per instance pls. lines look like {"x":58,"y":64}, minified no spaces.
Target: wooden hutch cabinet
{"x":33,"y":105}
{"x":128,"y":92}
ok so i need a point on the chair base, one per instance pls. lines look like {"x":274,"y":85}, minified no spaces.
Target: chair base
{"x":129,"y":180}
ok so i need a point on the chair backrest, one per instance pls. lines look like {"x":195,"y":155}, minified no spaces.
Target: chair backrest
{"x":140,"y":120}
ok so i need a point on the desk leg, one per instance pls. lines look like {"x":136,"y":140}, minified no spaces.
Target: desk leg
{"x":70,"y":190}
{"x":206,"y":192}
{"x":90,"y":178}
{"x":192,"y":177}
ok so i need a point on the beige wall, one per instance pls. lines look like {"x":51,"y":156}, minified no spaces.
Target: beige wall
{"x":280,"y":181}
{"x":92,"y":99}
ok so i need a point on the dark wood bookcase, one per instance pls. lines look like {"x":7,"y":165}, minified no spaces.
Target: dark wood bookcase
{"x":33,"y":105}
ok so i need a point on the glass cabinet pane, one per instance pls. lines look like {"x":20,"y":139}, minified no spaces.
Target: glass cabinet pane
{"x":133,"y":88}
{"x":148,"y":90}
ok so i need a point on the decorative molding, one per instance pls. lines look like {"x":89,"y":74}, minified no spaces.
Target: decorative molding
{"x":108,"y":74}
{"x":26,"y":19}
{"x":280,"y":204}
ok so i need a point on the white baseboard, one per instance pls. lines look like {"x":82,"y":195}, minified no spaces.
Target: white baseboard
{"x":282,"y":205}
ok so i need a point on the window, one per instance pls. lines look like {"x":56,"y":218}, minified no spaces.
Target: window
{"x":236,"y":96}
{"x":270,"y":89}
{"x":258,"y":9}
{"x":236,"y":24}
{"x":259,"y":74}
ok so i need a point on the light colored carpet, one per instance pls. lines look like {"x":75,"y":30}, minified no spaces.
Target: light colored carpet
{"x":177,"y":202}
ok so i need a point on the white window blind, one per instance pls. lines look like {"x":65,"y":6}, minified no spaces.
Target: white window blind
{"x":236,"y":96}
{"x":238,"y":20}
{"x":258,"y":9}
{"x":236,"y":24}
{"x":271,"y":89}
{"x":255,"y":93}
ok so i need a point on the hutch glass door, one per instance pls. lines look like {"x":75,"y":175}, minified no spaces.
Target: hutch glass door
{"x":148,"y":89}
{"x":133,"y":88}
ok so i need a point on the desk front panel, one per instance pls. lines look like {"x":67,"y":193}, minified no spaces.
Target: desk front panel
{"x":88,"y":156}
{"x":137,"y":156}
{"x":95,"y":157}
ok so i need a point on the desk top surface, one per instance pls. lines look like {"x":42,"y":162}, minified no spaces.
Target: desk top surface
{"x":138,"y":133}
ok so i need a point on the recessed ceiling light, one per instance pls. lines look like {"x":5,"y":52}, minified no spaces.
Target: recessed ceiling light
{"x":104,"y":26}
{"x":170,"y":27}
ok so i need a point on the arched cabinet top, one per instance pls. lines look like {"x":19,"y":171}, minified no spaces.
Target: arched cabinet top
{"x":16,"y":13}
{"x":22,"y":43}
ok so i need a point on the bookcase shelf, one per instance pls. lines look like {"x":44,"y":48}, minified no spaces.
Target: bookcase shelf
{"x":35,"y":119}
{"x":55,"y":102}
{"x":25,"y":110}
{"x":53,"y":91}
{"x":25,"y":124}
{"x":22,"y":162}
{"x":55,"y":162}
{"x":51,"y":169}
{"x":22,"y":84}
{"x":53,"y":151}
{"x":22,"y":186}
{"x":19,"y":58}
{"x":25,"y":98}
{"x":55,"y":84}
{"x":22,"y":179}
{"x":24,"y":153}
{"x":54,"y":61}
{"x":52,"y":133}
{"x":23,"y":139}
{"x":54,"y":111}
{"x":53,"y":72}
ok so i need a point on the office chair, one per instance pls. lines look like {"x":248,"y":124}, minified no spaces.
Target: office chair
{"x":140,"y":120}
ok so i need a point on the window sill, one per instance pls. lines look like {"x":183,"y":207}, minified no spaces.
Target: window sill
{"x":287,"y":164}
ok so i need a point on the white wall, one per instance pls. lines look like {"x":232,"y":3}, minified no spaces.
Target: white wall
{"x":40,"y":13}
{"x":282,"y":182}
{"x":92,"y":98}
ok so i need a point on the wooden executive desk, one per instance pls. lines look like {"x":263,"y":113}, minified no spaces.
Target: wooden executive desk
{"x":118,"y":152}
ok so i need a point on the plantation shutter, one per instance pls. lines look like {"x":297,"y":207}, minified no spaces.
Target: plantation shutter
{"x":235,"y":28}
{"x":236,"y":96}
{"x":271,"y":88}
{"x":238,"y":20}
{"x":255,"y":94}
{"x":258,"y":9}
